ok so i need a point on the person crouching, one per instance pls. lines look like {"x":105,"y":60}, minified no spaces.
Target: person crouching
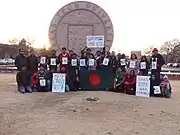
{"x":23,"y":79}
{"x":165,"y":86}
{"x":41,"y":80}
{"x":130,"y":83}
{"x":119,"y":80}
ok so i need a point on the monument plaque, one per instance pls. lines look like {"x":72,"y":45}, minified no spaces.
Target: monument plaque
{"x":77,"y":20}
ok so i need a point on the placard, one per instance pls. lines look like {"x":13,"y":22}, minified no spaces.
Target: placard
{"x":91,"y":62}
{"x":64,"y":61}
{"x":157,"y":90}
{"x":43,"y":60}
{"x":132,"y":64}
{"x":74,"y":62}
{"x":106,"y":61}
{"x":58,"y":82}
{"x":95,"y":41}
{"x":82,"y":62}
{"x":143,"y":86}
{"x":123,"y":62}
{"x":42,"y":82}
{"x":154,"y":65}
{"x":53,"y":61}
{"x":143,"y":65}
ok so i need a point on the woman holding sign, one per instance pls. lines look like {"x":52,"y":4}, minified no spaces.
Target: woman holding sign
{"x":122,"y":62}
{"x":83,"y":62}
{"x":63,"y":58}
{"x":133,"y":64}
{"x":91,"y":62}
{"x":144,"y":66}
{"x":53,"y":62}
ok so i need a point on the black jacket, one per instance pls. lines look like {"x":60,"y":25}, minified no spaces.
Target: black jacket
{"x":20,"y":61}
{"x":160,"y":61}
{"x":32,"y":65}
{"x":23,"y":78}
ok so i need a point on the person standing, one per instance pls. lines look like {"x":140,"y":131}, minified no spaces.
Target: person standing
{"x":156,"y":61}
{"x":53,"y":61}
{"x":43,"y":58}
{"x":133,"y":64}
{"x":32,"y":62}
{"x":63,"y":59}
{"x":144,"y":66}
{"x":21,"y":60}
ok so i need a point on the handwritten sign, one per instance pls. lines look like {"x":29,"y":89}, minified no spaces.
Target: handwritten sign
{"x":123,"y":62}
{"x":132,"y":64}
{"x":95,"y":41}
{"x":143,"y":65}
{"x":105,"y":61}
{"x":143,"y":86}
{"x":58,"y":82}
{"x":91,"y":62}
{"x":82,"y":62}
{"x":157,"y":90}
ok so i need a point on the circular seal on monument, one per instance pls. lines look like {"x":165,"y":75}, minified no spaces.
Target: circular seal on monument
{"x":75,"y":21}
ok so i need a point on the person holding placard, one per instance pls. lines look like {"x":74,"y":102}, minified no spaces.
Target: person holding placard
{"x":113,"y":61}
{"x":122,"y":62}
{"x":144,"y":66}
{"x":166,"y":88}
{"x":156,"y":61}
{"x":153,"y":84}
{"x":63,"y":58}
{"x":91,"y":62}
{"x":83,"y":62}
{"x":133,"y":64}
{"x":43,"y":58}
{"x":100,"y":61}
{"x":42,"y":80}
{"x":53,"y":62}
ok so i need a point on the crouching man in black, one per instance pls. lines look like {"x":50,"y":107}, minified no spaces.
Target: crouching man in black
{"x":23,"y":79}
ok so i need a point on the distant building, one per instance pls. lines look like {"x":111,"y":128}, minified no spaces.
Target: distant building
{"x":11,"y":51}
{"x":138,"y":53}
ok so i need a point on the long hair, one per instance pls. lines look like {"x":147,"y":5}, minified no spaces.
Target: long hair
{"x":134,"y":55}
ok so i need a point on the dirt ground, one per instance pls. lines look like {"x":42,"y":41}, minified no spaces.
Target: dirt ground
{"x":72,"y":114}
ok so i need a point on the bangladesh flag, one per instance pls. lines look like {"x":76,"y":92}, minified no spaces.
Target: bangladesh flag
{"x":97,"y":79}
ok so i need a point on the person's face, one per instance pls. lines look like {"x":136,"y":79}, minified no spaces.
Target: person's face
{"x":32,"y":52}
{"x":21,"y":52}
{"x":74,"y":56}
{"x":63,"y":50}
{"x":91,"y":56}
{"x":23,"y":68}
{"x":108,"y":54}
{"x":143,"y":59}
{"x":132,"y":73}
{"x":84,"y":54}
{"x":102,"y":55}
{"x":119,"y":70}
{"x":113,"y":53}
{"x":53,"y":52}
{"x":70,"y":52}
{"x":155,"y":53}
{"x":161,"y":77}
{"x":133,"y":56}
{"x":98,"y":53}
{"x":41,"y":68}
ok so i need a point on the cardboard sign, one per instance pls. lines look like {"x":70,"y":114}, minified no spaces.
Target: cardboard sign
{"x":74,"y":62}
{"x":91,"y":62}
{"x":58,"y":82}
{"x":157,"y":90}
{"x":42,"y":82}
{"x":53,"y":61}
{"x":82,"y":62}
{"x":123,"y":62}
{"x":43,"y":60}
{"x":143,"y":65}
{"x":95,"y":41}
{"x":132,"y":64}
{"x":64,"y":61}
{"x":105,"y":61}
{"x":143,"y":86}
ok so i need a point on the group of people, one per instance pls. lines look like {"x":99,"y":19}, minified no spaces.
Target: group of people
{"x":35,"y":73}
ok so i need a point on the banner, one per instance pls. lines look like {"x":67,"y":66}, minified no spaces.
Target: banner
{"x":58,"y":82}
{"x":143,"y":86}
{"x":95,"y":41}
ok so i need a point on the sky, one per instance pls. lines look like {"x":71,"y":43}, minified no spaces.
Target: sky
{"x":137,"y":23}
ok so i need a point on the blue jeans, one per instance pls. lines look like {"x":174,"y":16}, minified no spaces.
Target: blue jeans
{"x":24,"y":89}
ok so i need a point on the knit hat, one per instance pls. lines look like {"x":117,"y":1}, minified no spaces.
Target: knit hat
{"x":155,"y":49}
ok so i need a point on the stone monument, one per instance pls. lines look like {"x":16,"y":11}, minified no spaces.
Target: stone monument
{"x":77,"y":20}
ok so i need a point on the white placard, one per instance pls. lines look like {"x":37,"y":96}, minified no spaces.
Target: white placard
{"x":95,"y":41}
{"x":58,"y":82}
{"x":42,"y":82}
{"x":64,"y":61}
{"x":74,"y":62}
{"x":106,"y":61}
{"x":123,"y":62}
{"x":82,"y":62}
{"x":143,"y":86}
{"x":53,"y":61}
{"x":43,"y":60}
{"x":157,"y":90}
{"x":154,"y":65}
{"x":132,"y":64}
{"x":143,"y":65}
{"x":91,"y":62}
